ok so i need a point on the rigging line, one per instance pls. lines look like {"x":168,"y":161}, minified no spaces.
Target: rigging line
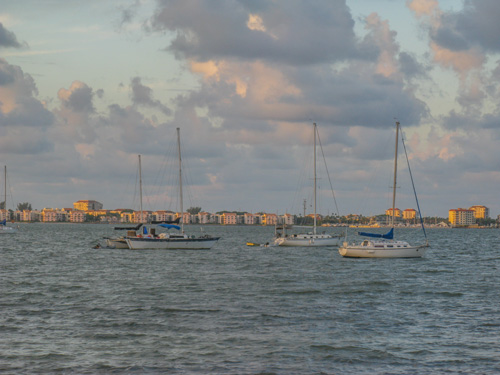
{"x":413,"y":185}
{"x":327,"y":173}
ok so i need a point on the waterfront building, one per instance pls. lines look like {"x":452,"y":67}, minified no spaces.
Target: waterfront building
{"x":409,"y":214}
{"x":140,"y":216}
{"x":397,"y":212}
{"x":288,"y":219}
{"x":87,"y":205}
{"x":461,"y":217}
{"x":249,"y":219}
{"x":51,"y":215}
{"x":481,"y":212}
{"x":4,"y":215}
{"x":229,"y":218}
{"x":269,"y":219}
{"x":77,"y":216}
{"x":204,"y":218}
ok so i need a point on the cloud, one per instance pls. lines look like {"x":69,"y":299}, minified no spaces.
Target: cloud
{"x":8,"y":38}
{"x":143,"y":96}
{"x":298,"y":33}
{"x":78,"y":98}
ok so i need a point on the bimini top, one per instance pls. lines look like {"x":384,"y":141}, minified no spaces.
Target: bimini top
{"x":388,"y":236}
{"x":170,"y":226}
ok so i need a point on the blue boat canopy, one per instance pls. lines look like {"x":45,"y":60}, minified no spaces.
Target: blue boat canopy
{"x":170,"y":226}
{"x":3,"y":222}
{"x":388,"y":236}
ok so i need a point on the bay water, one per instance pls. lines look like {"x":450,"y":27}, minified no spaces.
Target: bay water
{"x":66,"y":307}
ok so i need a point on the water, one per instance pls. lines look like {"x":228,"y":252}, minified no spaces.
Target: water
{"x":68,"y":308}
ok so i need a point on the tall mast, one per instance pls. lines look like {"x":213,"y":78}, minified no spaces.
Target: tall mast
{"x":314,"y":227}
{"x":395,"y":173}
{"x":5,"y":191}
{"x":140,"y":188}
{"x":180,"y":177}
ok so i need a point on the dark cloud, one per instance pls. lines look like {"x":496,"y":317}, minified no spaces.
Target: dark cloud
{"x":78,"y":98}
{"x":295,"y":32}
{"x":476,"y":25}
{"x":8,"y":38}
{"x":29,"y":112}
{"x":143,"y":96}
{"x":409,"y":66}
{"x":455,"y":120}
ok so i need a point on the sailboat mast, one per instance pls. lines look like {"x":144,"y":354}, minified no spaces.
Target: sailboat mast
{"x":5,"y":192}
{"x":140,"y":188}
{"x":395,"y":173}
{"x":180,"y":177}
{"x":314,"y":225}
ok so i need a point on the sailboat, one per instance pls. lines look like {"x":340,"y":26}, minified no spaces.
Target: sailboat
{"x":4,"y":228}
{"x":167,"y":240}
{"x":121,"y":242}
{"x":384,"y":245}
{"x":311,"y":239}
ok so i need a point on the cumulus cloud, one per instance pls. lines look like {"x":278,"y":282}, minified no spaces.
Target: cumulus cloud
{"x":298,"y":33}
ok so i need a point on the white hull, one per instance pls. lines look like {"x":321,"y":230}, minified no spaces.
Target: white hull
{"x":382,"y":249}
{"x":7,"y":230}
{"x":138,"y":243}
{"x":117,"y":243}
{"x":308,"y":240}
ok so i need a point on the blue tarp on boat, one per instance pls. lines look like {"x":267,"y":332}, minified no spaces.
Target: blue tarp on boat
{"x":388,"y":236}
{"x":3,"y":222}
{"x":170,"y":226}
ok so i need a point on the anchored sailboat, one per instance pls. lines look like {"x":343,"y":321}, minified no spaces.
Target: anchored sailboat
{"x":312,"y":239}
{"x":169,"y":240}
{"x":384,"y":245}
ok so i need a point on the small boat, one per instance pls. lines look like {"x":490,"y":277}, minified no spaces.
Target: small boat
{"x":310,"y":239}
{"x":384,"y":246}
{"x":171,"y":241}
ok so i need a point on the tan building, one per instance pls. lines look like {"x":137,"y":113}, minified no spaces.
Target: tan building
{"x":269,"y":219}
{"x":288,"y":219}
{"x":409,"y":214}
{"x":204,"y":217}
{"x":87,"y":205}
{"x":481,"y":212}
{"x":461,"y":217}
{"x":397,"y":212}
{"x":77,"y":216}
{"x":229,"y":218}
{"x":140,"y":216}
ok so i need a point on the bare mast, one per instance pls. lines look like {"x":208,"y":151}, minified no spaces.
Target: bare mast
{"x":314,"y":225}
{"x":180,"y":177}
{"x":140,"y":189}
{"x":5,"y":191}
{"x":395,"y":173}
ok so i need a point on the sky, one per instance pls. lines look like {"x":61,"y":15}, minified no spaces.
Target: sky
{"x":86,"y":87}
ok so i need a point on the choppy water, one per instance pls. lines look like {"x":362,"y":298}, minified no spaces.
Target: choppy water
{"x":68,"y":308}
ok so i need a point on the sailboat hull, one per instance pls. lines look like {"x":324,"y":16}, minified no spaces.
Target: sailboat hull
{"x":138,"y":243}
{"x":117,"y":243}
{"x":308,"y":240}
{"x":7,"y":230}
{"x":389,"y":249}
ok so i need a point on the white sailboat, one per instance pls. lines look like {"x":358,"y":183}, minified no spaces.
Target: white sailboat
{"x":4,"y":228}
{"x":311,"y":239}
{"x":384,"y":245}
{"x":174,"y":241}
